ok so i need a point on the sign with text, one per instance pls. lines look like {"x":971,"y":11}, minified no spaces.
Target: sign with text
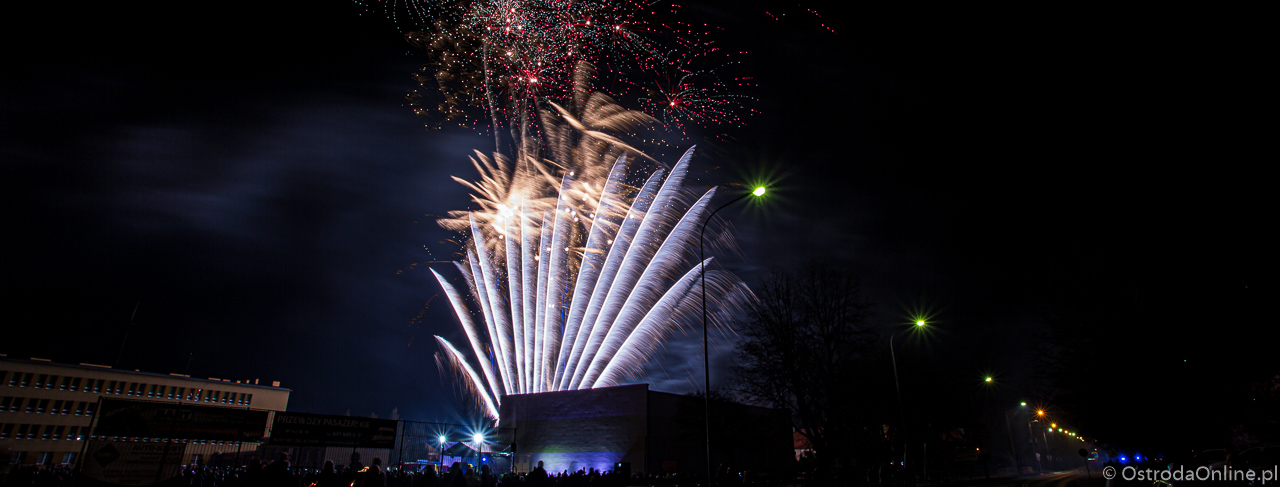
{"x":140,"y":419}
{"x":301,"y":429}
{"x":133,"y":463}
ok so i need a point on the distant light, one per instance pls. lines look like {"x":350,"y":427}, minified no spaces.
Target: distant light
{"x":1054,"y":425}
{"x":759,"y":191}
{"x":478,"y":438}
{"x":1040,"y":412}
{"x":988,"y":379}
{"x":1024,"y":404}
{"x":920,"y":323}
{"x":442,"y":439}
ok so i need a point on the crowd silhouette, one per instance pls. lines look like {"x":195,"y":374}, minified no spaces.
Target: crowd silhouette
{"x":280,"y":473}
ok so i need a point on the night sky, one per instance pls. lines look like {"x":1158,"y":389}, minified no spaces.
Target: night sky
{"x":254,"y":179}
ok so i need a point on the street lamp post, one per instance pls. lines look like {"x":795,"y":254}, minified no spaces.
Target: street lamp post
{"x":898,"y":387}
{"x":442,"y":440}
{"x":706,"y":357}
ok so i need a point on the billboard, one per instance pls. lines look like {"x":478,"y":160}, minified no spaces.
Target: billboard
{"x":132,"y":463}
{"x":301,"y":429}
{"x":140,"y":419}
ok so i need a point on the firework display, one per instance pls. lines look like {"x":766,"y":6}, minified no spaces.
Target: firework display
{"x":496,"y":62}
{"x":576,"y":273}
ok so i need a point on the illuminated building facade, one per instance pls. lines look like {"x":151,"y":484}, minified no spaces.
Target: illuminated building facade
{"x":633,"y":429}
{"x":46,"y":408}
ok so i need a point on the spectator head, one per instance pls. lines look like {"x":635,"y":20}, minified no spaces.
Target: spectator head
{"x":377,"y":461}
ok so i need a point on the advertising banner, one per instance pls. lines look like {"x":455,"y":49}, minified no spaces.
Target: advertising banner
{"x":140,"y":419}
{"x":300,"y":429}
{"x":132,"y":463}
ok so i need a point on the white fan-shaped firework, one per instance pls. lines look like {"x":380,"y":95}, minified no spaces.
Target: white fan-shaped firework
{"x":575,"y":285}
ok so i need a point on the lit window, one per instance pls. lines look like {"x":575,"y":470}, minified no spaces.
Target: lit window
{"x":248,"y":399}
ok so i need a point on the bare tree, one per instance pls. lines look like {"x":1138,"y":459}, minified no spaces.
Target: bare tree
{"x":805,"y":333}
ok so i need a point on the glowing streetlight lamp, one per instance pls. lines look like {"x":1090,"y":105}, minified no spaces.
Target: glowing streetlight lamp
{"x":898,"y":387}
{"x":442,"y":439}
{"x":988,"y":379}
{"x":706,"y":356}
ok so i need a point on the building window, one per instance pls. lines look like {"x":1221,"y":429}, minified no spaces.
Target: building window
{"x":89,"y":409}
{"x":31,"y":405}
{"x":4,"y":374}
{"x":177,"y":392}
{"x":23,"y":429}
{"x":111,"y":387}
{"x":57,"y":408}
{"x":209,"y":395}
{"x":75,"y":384}
{"x":79,"y":433}
{"x":26,"y":379}
{"x":57,"y":432}
{"x":97,"y":386}
{"x":80,"y":408}
{"x":66,"y":384}
{"x":6,"y":403}
{"x":133,"y":388}
{"x":46,"y":458}
{"x":226,"y":397}
{"x":5,"y":431}
{"x":17,"y":458}
{"x":69,"y":458}
{"x":43,"y":406}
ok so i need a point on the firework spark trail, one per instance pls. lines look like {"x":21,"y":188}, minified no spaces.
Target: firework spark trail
{"x":498,"y":60}
{"x":578,"y":282}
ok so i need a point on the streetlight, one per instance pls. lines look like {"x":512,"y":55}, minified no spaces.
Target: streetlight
{"x":706,"y":356}
{"x":478,"y":438}
{"x":898,"y":387}
{"x":442,"y":439}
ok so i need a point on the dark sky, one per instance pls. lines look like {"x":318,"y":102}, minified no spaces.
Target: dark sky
{"x":254,"y":179}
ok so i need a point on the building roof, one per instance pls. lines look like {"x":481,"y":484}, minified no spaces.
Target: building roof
{"x":135,"y":372}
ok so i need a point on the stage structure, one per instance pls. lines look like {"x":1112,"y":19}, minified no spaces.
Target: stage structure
{"x":632,"y":429}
